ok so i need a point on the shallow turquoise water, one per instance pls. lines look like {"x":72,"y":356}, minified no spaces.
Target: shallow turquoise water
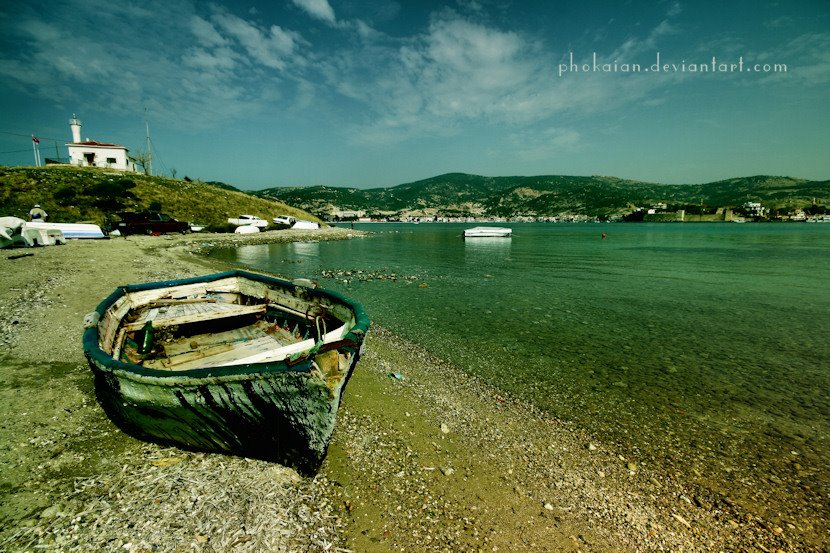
{"x":698,"y":346}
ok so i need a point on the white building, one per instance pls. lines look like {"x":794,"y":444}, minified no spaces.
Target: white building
{"x":754,"y":209}
{"x":91,"y":153}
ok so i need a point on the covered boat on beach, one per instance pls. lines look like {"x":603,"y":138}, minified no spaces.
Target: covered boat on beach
{"x":236,"y":362}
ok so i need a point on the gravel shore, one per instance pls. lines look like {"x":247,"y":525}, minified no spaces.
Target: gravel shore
{"x":424,"y":457}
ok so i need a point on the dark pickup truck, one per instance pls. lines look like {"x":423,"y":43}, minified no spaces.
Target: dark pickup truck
{"x":148,"y":222}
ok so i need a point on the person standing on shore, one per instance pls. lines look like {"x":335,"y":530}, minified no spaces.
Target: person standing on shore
{"x":37,"y":214}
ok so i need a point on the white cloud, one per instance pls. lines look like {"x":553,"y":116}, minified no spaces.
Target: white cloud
{"x":274,"y":48}
{"x":461,"y":70}
{"x":458,"y":69}
{"x":807,"y":60}
{"x":205,"y":33}
{"x":319,"y":9}
{"x":220,"y":59}
{"x":675,"y":9}
{"x":183,"y":66}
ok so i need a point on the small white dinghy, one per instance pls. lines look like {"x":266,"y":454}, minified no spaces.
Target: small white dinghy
{"x":488,"y":232}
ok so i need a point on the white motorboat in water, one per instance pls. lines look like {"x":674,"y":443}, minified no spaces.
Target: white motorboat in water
{"x":488,"y":232}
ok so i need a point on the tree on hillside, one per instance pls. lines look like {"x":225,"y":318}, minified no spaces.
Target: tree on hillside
{"x":143,"y":158}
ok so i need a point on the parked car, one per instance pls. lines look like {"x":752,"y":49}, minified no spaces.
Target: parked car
{"x":148,"y":222}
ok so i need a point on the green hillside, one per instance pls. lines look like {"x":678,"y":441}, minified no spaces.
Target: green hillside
{"x":457,"y":194}
{"x":73,"y":194}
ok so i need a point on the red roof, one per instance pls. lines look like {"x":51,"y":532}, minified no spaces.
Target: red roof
{"x":96,"y":143}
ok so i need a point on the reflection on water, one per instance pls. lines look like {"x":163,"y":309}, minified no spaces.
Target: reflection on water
{"x":700,"y":348}
{"x":249,"y":255}
{"x":305,"y":250}
{"x":488,"y":244}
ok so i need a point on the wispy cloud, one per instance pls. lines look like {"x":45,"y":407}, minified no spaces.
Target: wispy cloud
{"x":807,"y":57}
{"x":204,"y":65}
{"x":319,"y":9}
{"x":464,"y":70}
{"x":184,"y":66}
{"x":274,"y":47}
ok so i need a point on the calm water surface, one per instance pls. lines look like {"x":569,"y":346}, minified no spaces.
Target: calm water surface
{"x":703,"y":348}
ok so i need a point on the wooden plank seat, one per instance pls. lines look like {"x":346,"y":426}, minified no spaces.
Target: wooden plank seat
{"x":219,"y":348}
{"x":191,"y":313}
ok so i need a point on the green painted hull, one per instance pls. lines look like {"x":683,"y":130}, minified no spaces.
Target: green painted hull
{"x":282,"y":411}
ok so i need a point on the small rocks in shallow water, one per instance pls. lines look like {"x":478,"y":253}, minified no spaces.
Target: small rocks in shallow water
{"x":681,"y":520}
{"x":52,"y":512}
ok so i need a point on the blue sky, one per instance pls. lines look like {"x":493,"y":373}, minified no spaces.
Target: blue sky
{"x":366,"y":93}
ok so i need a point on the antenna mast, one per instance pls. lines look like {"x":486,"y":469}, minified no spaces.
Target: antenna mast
{"x":149,"y":162}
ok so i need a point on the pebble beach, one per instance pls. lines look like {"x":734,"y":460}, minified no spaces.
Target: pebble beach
{"x":424,"y":457}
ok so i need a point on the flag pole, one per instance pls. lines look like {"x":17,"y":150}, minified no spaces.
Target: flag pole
{"x":35,"y":142}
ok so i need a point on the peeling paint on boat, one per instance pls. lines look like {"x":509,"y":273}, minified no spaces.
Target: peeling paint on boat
{"x":281,"y":410}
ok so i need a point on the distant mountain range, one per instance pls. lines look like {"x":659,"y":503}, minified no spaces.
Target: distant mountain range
{"x":459,"y":194}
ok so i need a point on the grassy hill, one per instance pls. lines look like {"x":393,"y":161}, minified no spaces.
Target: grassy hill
{"x":550,"y":195}
{"x":74,"y":194}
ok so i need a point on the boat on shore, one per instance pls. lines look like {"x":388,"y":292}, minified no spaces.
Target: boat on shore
{"x":305,"y":225}
{"x":70,"y":230}
{"x":488,"y":232}
{"x":287,"y":222}
{"x":283,"y":222}
{"x":248,"y":220}
{"x":247,"y":229}
{"x":237,"y":362}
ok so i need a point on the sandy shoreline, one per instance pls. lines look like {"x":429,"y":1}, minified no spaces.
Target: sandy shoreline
{"x":435,"y":461}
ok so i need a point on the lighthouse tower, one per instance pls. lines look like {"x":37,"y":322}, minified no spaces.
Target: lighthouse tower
{"x":75,"y":125}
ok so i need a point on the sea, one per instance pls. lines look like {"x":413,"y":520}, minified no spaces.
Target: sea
{"x":700,"y":350}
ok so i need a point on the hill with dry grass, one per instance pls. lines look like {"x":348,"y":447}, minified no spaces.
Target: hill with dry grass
{"x":75,"y":194}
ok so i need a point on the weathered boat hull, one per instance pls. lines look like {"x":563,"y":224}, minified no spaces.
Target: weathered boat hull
{"x":282,"y":411}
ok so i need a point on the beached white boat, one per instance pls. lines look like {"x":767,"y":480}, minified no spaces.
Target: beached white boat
{"x":283,"y":222}
{"x":16,"y":232}
{"x":301,"y":224}
{"x":246,"y":229}
{"x":235,"y":362}
{"x":287,"y":222}
{"x":487,"y":232}
{"x":246,"y":220}
{"x":71,"y":230}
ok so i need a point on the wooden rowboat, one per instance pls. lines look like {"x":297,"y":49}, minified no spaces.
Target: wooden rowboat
{"x":234,"y":362}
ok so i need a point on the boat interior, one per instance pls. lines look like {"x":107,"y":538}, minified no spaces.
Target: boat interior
{"x":229,"y":322}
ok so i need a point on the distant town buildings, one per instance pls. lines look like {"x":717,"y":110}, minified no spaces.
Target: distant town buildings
{"x":754,"y":209}
{"x":347,"y":214}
